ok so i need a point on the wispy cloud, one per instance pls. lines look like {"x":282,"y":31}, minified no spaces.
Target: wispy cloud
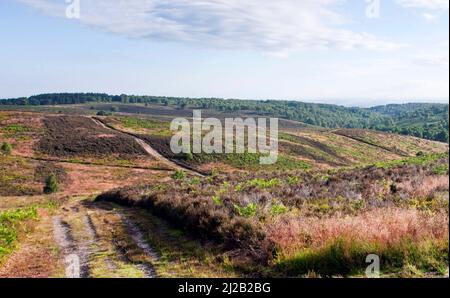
{"x":280,"y":26}
{"x":426,"y":4}
{"x":434,"y":60}
{"x":429,"y":17}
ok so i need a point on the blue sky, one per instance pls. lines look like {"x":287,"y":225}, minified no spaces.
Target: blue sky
{"x":309,"y":50}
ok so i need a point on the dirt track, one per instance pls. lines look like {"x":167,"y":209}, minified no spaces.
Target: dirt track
{"x":76,"y":234}
{"x":148,"y":149}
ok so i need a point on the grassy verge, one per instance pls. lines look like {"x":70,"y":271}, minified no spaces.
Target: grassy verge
{"x":347,"y":257}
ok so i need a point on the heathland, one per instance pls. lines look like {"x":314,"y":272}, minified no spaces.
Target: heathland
{"x":94,"y":176}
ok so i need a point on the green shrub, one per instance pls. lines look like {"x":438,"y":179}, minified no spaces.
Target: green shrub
{"x":248,"y":211}
{"x":196,"y":181}
{"x":278,"y":209}
{"x":6,"y":148}
{"x":179,"y":175}
{"x":189,"y":157}
{"x":217,"y":200}
{"x":51,"y":184}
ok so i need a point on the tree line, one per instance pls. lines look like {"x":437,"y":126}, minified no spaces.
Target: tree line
{"x":424,"y":120}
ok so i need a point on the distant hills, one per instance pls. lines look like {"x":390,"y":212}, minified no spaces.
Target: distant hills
{"x":423,"y":120}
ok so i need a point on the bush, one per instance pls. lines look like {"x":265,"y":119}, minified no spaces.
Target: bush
{"x":248,"y":211}
{"x":278,"y":209}
{"x":179,"y":175}
{"x":51,"y":184}
{"x":6,"y":148}
{"x":103,"y":113}
{"x":10,"y":224}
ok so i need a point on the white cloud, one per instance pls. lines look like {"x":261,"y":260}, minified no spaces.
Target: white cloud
{"x":429,"y":17}
{"x":270,"y":26}
{"x":425,"y":4}
{"x":434,"y":60}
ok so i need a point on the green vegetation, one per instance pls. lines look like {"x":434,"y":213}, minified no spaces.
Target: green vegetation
{"x":10,"y":223}
{"x":258,"y":183}
{"x":416,"y":160}
{"x":51,"y":184}
{"x":247,"y":211}
{"x":440,"y":170}
{"x":217,"y":200}
{"x":278,"y":209}
{"x":424,"y":120}
{"x":344,"y":257}
{"x":14,"y":130}
{"x":179,"y":175}
{"x":157,"y":128}
{"x":137,"y":123}
{"x":6,"y":148}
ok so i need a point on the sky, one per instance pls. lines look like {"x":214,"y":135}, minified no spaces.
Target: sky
{"x":348,"y":52}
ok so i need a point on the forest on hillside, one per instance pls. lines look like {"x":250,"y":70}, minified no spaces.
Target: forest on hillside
{"x":423,"y":120}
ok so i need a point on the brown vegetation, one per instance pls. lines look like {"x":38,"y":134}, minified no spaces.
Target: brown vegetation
{"x":74,"y":136}
{"x":281,"y":214}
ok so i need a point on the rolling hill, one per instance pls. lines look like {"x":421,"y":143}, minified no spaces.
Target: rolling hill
{"x":423,"y":120}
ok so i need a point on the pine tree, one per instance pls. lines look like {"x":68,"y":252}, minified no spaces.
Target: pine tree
{"x":51,"y":184}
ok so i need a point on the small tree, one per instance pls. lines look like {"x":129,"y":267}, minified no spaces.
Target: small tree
{"x":51,"y":184}
{"x":6,"y":148}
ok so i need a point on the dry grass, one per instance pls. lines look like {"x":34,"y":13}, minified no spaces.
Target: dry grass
{"x":386,"y":227}
{"x":403,"y":238}
{"x":426,"y":186}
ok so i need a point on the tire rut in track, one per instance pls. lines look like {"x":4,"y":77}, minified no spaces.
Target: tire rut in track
{"x":76,"y":256}
{"x":139,"y":239}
